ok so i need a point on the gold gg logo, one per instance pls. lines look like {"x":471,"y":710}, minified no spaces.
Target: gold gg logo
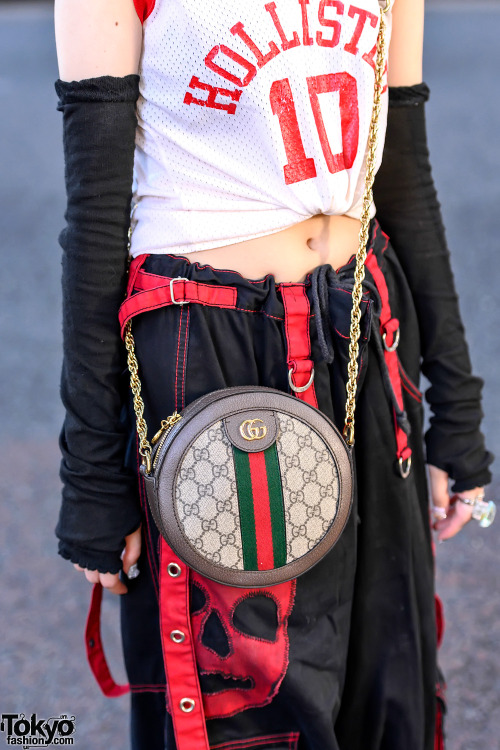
{"x":249,"y":431}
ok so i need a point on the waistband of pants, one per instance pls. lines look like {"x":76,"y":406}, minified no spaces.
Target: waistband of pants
{"x":157,"y":280}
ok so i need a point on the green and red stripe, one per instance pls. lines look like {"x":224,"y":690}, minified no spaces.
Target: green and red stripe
{"x":262,"y":515}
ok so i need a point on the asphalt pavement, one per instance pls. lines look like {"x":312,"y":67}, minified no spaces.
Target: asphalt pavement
{"x":43,"y":601}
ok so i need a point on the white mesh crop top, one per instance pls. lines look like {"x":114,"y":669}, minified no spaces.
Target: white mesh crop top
{"x":252,"y":116}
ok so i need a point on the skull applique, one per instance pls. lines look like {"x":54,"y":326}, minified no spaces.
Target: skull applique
{"x":241,"y":643}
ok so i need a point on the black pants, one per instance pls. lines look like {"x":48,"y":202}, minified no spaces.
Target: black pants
{"x":358,"y":652}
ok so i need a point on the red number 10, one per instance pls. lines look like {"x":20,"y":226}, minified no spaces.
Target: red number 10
{"x":298,"y":166}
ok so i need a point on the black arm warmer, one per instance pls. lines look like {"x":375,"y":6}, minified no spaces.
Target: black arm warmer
{"x":409,"y":211}
{"x":100,"y":504}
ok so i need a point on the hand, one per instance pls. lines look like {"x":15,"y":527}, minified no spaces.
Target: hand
{"x":111,"y":581}
{"x":457,"y":513}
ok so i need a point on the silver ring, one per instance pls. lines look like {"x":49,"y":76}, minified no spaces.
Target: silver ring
{"x":483,"y":511}
{"x":301,"y":388}
{"x":471,"y":500}
{"x":133,"y":571}
{"x":405,"y":467}
{"x":395,"y":341}
{"x":439,"y":513}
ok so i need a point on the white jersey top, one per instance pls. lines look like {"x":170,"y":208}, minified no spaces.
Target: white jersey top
{"x":252,"y":116}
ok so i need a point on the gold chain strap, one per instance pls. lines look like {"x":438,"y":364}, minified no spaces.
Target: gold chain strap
{"x":135,"y":386}
{"x":357,"y":292}
{"x":359,"y":273}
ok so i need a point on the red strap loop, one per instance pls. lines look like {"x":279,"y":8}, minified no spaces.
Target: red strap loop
{"x":95,"y":651}
{"x":297,"y":314}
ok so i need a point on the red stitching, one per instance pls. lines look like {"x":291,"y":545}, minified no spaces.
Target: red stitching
{"x":408,"y":384}
{"x":349,"y":292}
{"x":410,"y":392}
{"x":204,"y":619}
{"x":243,"y":309}
{"x":347,"y":337}
{"x":286,"y":330}
{"x":148,"y":308}
{"x":386,"y":243}
{"x":252,"y":595}
{"x":408,"y":380}
{"x":290,"y":737}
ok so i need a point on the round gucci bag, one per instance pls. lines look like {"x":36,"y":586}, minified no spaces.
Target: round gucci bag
{"x":250,"y":486}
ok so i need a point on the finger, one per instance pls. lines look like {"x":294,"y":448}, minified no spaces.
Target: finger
{"x":132,"y":550}
{"x":92,"y":576}
{"x":111,"y":582}
{"x":459,"y":515}
{"x":438,"y":481}
{"x":439,"y":494}
{"x":77,"y":567}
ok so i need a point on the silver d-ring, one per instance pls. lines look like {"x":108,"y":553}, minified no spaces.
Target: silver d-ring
{"x":175,"y":301}
{"x":395,"y":343}
{"x":405,"y":470}
{"x":302,"y":388}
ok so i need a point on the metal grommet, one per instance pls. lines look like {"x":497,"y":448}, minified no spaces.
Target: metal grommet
{"x":174,"y":570}
{"x":296,"y":388}
{"x":186,"y":705}
{"x":175,"y":301}
{"x":405,"y":470}
{"x":395,"y":343}
{"x":177,"y":636}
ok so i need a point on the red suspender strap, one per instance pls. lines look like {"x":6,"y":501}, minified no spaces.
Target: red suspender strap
{"x":389,"y":328}
{"x":95,"y":651}
{"x":300,"y":364}
{"x":178,"y":653}
{"x":157,"y":291}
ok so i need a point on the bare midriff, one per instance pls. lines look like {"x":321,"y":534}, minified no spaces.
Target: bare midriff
{"x":291,"y":254}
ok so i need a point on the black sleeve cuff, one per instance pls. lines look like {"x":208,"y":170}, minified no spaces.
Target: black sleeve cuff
{"x":101,"y":89}
{"x":104,"y":562}
{"x":408,"y":96}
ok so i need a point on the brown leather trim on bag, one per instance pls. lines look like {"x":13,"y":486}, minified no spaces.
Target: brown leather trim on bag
{"x":225,"y":404}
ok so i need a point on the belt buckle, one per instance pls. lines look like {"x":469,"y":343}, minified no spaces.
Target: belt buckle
{"x":177,"y":301}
